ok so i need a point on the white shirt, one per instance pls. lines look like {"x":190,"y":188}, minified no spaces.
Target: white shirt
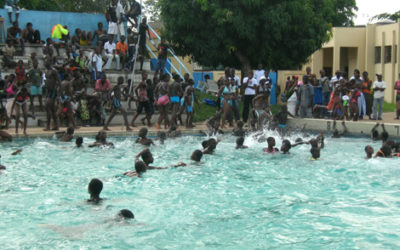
{"x":119,"y":10}
{"x":251,"y":83}
{"x":259,"y":74}
{"x":334,"y":82}
{"x":109,"y":47}
{"x":378,"y":93}
{"x":237,"y":80}
{"x":99,"y":61}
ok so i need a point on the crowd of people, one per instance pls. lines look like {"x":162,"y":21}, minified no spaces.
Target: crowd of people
{"x":338,"y":97}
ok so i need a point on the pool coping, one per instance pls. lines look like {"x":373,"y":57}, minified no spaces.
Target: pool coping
{"x":359,"y":128}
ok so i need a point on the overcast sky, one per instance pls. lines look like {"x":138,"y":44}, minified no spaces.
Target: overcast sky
{"x":370,"y":8}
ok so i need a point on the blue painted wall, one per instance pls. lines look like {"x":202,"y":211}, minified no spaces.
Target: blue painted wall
{"x":45,"y":20}
{"x":199,"y":76}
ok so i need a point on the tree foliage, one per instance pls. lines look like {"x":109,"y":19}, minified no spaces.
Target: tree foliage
{"x":387,"y":16}
{"x":241,"y":34}
{"x":152,"y":8}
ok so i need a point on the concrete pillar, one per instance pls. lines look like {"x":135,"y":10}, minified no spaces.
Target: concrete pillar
{"x":393,"y":75}
{"x":336,"y":58}
{"x":370,"y":50}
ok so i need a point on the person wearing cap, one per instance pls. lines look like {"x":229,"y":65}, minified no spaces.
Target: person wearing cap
{"x":379,"y":87}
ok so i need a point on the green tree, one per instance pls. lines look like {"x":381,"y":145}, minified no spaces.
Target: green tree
{"x":241,"y":34}
{"x":152,"y":8}
{"x":387,"y":16}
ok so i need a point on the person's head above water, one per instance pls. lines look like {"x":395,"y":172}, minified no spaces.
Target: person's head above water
{"x":162,"y":135}
{"x":140,"y":167}
{"x":126,"y":214}
{"x":240,"y":124}
{"x":286,"y":146}
{"x":315,"y":153}
{"x":196,"y":155}
{"x":101,"y":136}
{"x":212,"y":144}
{"x":79,"y":141}
{"x":147,"y":157}
{"x":239,"y":141}
{"x":369,"y":150}
{"x":94,"y":188}
{"x":204,"y":144}
{"x":271,"y":141}
{"x":143,"y":133}
{"x":70,"y":130}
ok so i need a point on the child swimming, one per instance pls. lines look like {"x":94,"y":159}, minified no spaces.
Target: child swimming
{"x":143,"y":138}
{"x":239,"y":143}
{"x":271,"y":145}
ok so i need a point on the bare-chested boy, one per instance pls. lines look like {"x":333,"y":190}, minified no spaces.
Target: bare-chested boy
{"x":52,"y":85}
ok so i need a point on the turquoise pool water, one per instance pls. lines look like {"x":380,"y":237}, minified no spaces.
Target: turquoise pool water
{"x":234,"y":200}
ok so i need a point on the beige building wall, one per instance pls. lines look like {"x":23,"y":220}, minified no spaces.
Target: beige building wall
{"x":354,"y":48}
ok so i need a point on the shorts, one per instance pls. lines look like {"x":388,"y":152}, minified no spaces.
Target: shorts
{"x":145,"y":106}
{"x":163,"y":100}
{"x":11,"y":8}
{"x":112,"y":28}
{"x":174,"y":99}
{"x":36,"y":91}
{"x":282,"y":125}
{"x":95,"y":78}
{"x":398,"y":97}
{"x":115,"y":29}
{"x":189,"y":109}
{"x":259,"y":112}
{"x":161,"y":64}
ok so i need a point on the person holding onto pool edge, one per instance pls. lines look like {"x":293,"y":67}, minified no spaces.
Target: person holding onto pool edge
{"x":316,"y":146}
{"x":95,"y":187}
{"x":79,"y":142}
{"x":101,"y":140}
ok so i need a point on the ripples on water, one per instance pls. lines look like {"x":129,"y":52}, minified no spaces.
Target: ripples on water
{"x":237,"y":199}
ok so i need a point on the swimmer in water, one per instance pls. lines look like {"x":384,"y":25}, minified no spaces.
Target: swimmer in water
{"x":211,"y":145}
{"x":148,"y":159}
{"x":239,"y":143}
{"x":101,"y":140}
{"x":140,"y":168}
{"x":1,"y":166}
{"x":126,"y":214}
{"x":238,"y":130}
{"x":79,"y":142}
{"x":68,"y":136}
{"x":336,"y":133}
{"x":369,"y":150}
{"x":375,"y":134}
{"x":143,"y":138}
{"x":94,"y":189}
{"x":271,"y":145}
{"x":286,"y":145}
{"x":162,"y":136}
{"x":316,"y":145}
{"x":385,"y":151}
{"x":196,"y":155}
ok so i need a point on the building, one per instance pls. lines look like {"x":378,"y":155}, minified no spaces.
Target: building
{"x":372,"y":48}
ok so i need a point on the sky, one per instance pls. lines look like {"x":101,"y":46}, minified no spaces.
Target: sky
{"x":370,"y":8}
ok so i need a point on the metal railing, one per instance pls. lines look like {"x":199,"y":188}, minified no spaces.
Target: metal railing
{"x":178,"y":61}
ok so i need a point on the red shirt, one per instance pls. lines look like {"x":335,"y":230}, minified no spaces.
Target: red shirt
{"x":106,"y":86}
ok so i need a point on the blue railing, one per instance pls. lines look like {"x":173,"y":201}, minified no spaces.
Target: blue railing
{"x":180,"y":63}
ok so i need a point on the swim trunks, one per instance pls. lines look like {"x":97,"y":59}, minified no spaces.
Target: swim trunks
{"x":175,"y":99}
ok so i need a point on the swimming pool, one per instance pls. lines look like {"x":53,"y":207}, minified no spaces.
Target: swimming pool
{"x":234,"y":200}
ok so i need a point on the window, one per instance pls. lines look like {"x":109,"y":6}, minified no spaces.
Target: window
{"x":377,"y":54}
{"x":388,"y":54}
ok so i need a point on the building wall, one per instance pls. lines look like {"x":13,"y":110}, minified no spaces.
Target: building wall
{"x":45,"y":20}
{"x":355,"y":48}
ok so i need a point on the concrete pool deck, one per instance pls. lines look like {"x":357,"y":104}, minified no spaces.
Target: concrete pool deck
{"x":362,"y":127}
